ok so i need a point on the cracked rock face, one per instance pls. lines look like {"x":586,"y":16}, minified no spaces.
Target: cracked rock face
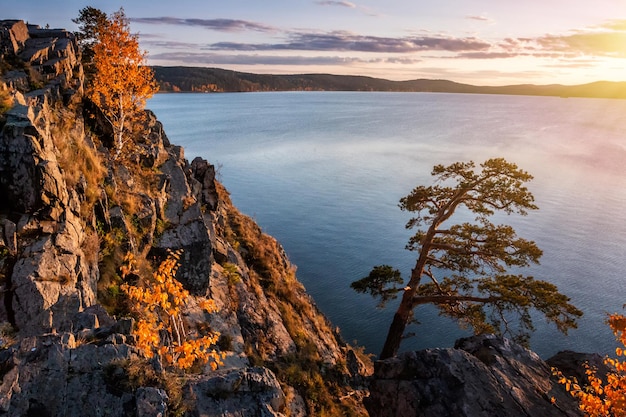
{"x":50,"y":276}
{"x":483,"y":376}
{"x":65,"y":356}
{"x":52,"y":376}
{"x":243,"y":392}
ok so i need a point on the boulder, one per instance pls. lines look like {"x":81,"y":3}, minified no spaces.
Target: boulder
{"x":204,"y":173}
{"x":482,"y":376}
{"x":188,"y":229}
{"x":151,"y":402}
{"x":51,"y":375}
{"x":239,"y":393}
{"x":13,"y":36}
{"x":572,"y":364}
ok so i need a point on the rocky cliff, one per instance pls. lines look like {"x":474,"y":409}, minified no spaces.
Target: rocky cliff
{"x":68,"y":213}
{"x":482,"y":376}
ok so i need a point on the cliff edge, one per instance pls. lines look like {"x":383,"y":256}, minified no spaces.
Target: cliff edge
{"x":69,"y":212}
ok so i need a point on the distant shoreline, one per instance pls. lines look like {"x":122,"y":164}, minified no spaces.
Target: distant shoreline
{"x":216,"y":80}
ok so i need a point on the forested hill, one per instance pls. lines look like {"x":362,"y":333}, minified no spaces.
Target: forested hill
{"x":196,"y":79}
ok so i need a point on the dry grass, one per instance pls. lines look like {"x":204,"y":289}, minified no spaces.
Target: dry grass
{"x":6,"y":102}
{"x":8,"y":335}
{"x":81,"y":164}
{"x":125,"y":376}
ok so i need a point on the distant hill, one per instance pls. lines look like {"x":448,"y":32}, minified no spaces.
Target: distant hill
{"x":195,"y":79}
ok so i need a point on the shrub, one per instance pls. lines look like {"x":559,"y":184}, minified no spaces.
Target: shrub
{"x":603,"y":397}
{"x":6,"y":102}
{"x":127,"y":375}
{"x":7,"y":335}
{"x":157,"y":303}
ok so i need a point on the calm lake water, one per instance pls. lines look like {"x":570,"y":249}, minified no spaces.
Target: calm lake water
{"x":323,"y":173}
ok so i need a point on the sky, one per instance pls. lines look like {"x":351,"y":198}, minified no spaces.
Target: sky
{"x":481,"y":42}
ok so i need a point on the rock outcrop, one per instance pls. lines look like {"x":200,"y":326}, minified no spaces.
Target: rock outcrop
{"x":51,"y":276}
{"x":69,"y":212}
{"x":482,"y":376}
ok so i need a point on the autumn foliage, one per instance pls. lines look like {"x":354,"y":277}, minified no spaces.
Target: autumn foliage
{"x":122,"y":82}
{"x":160,"y":330}
{"x":603,"y":397}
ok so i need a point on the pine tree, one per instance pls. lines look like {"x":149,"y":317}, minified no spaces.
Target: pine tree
{"x":465,"y":264}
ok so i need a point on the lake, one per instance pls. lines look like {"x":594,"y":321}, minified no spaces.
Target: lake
{"x":323,"y":172}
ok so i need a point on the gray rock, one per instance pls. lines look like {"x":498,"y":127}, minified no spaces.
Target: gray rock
{"x":177,"y":189}
{"x":483,"y":376}
{"x":189,"y":229}
{"x":204,"y":173}
{"x":572,"y":364}
{"x":240,"y":393}
{"x":92,"y":317}
{"x":193,"y":237}
{"x":154,"y":142}
{"x":13,"y":36}
{"x":16,"y":80}
{"x":358,"y":369}
{"x":151,"y":402}
{"x":51,"y":376}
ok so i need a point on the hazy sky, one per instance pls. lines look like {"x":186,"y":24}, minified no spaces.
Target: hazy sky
{"x":487,"y":42}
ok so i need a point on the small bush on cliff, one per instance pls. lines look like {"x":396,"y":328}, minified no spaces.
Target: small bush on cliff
{"x":5,"y":104}
{"x":160,"y":329}
{"x":7,"y":335}
{"x":128,"y":375}
{"x":603,"y":397}
{"x":5,"y":101}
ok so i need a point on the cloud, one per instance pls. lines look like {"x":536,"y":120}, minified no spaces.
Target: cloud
{"x":619,"y":25}
{"x":348,"y":4}
{"x":345,"y":41}
{"x":343,"y":48}
{"x":165,"y":44}
{"x":480,"y":18}
{"x":611,"y":43}
{"x":207,"y":58}
{"x":586,"y":63}
{"x":463,"y":75}
{"x":337,"y":3}
{"x":487,"y":55}
{"x":403,"y":61}
{"x":221,"y":25}
{"x":608,"y":40}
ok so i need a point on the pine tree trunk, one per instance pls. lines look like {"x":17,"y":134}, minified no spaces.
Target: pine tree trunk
{"x":396,"y":330}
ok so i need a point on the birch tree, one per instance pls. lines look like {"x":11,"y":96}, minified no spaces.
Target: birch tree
{"x":122,"y":82}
